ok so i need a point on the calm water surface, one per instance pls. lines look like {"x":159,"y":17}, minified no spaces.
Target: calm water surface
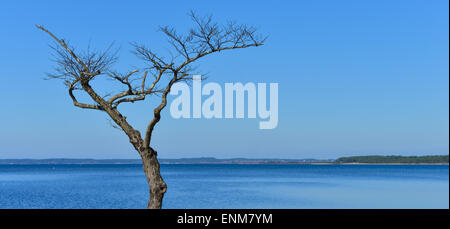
{"x":227,"y":186}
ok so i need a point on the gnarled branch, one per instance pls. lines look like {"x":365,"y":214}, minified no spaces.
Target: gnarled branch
{"x":204,"y":38}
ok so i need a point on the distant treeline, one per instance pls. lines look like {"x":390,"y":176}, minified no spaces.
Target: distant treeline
{"x":394,"y":159}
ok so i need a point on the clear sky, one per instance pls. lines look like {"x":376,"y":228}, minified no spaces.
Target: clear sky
{"x":355,"y":78}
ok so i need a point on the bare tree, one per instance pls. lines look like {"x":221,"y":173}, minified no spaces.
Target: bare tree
{"x":79,"y":71}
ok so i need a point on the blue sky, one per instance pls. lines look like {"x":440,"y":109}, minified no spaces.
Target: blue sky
{"x":355,"y":78}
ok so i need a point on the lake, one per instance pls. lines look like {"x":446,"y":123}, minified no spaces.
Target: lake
{"x":227,"y":186}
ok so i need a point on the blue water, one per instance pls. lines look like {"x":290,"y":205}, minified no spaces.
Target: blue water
{"x":227,"y":186}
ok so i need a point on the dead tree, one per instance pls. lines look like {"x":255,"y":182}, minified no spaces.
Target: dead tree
{"x":79,"y":70}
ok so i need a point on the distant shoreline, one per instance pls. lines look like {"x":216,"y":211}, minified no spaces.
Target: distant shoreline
{"x":215,"y":161}
{"x":391,"y":163}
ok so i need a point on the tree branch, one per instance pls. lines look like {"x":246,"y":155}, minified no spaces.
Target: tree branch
{"x":81,"y":105}
{"x":157,"y":112}
{"x":205,"y":38}
{"x":64,"y":45}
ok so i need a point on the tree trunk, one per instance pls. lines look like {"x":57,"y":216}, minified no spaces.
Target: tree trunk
{"x":157,"y":186}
